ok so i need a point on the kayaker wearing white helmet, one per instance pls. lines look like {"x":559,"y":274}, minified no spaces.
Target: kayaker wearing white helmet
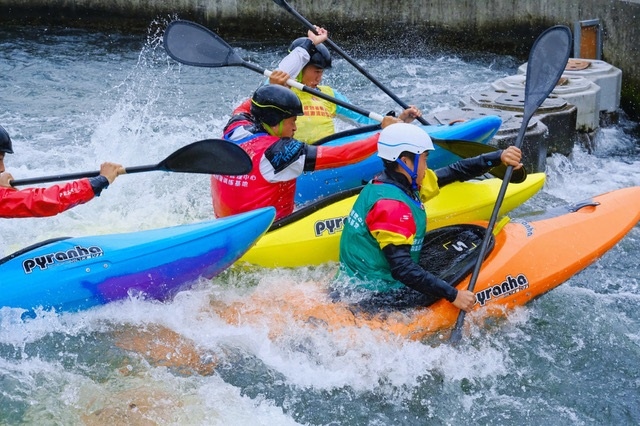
{"x":383,"y":235}
{"x":264,"y":126}
{"x":307,"y":62}
{"x":39,"y":202}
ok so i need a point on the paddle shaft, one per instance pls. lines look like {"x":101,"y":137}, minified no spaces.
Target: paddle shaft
{"x":456,"y":334}
{"x":78,"y":175}
{"x":315,"y":92}
{"x":348,"y":58}
{"x":496,"y":209}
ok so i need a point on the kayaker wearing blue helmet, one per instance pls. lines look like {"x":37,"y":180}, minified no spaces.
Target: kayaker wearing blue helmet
{"x":383,"y":235}
{"x":39,"y":202}
{"x":318,"y":119}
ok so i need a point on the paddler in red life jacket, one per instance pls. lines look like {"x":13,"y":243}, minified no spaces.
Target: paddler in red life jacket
{"x":319,"y":114}
{"x":40,"y":202}
{"x":264,"y":127}
{"x":383,"y":235}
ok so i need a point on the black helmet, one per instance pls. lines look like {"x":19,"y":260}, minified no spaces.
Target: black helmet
{"x":5,"y":141}
{"x":272,"y":103}
{"x":320,"y":56}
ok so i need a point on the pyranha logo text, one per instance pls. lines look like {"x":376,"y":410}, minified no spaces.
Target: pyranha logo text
{"x":74,"y":255}
{"x":509,"y":286}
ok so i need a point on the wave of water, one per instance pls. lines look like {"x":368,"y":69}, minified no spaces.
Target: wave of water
{"x":72,"y":99}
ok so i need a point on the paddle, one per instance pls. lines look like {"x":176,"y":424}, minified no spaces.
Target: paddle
{"x":209,"y":156}
{"x":309,"y":25}
{"x":547,"y":61}
{"x":193,"y":44}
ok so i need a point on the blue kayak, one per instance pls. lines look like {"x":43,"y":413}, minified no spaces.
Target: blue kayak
{"x":70,"y":274}
{"x":313,"y":185}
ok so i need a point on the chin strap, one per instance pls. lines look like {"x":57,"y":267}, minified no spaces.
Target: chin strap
{"x":413,"y":173}
{"x":272,"y":132}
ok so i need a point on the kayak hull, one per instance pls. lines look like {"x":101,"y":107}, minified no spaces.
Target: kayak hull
{"x":313,"y":185}
{"x":79,"y":273}
{"x":315,"y":239}
{"x":529,"y":259}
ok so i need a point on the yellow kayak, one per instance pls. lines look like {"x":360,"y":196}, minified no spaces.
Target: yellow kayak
{"x":311,"y":235}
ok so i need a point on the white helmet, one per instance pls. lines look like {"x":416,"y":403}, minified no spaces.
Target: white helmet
{"x":400,"y":137}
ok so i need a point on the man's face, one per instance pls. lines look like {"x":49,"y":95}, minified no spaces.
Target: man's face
{"x":289,"y":127}
{"x":2,"y":162}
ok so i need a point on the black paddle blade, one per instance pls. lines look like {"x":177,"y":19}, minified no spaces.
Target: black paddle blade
{"x":547,"y":61}
{"x":209,"y":156}
{"x":192,"y":44}
{"x":468,"y":149}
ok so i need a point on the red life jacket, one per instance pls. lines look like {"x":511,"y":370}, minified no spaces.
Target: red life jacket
{"x":238,"y":194}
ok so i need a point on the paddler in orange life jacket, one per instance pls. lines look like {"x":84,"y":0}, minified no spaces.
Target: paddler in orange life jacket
{"x":318,"y":119}
{"x":40,"y":202}
{"x":264,"y":127}
{"x":383,"y":235}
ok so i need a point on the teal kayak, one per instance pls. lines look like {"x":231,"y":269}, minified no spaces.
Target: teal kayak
{"x":71,"y":274}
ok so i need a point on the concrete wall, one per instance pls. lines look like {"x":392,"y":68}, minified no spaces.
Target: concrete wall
{"x":501,"y":26}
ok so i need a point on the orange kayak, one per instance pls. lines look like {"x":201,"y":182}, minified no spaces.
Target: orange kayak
{"x":529,"y":258}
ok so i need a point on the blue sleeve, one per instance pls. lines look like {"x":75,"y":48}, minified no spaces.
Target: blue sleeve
{"x":348,"y":115}
{"x":98,"y":183}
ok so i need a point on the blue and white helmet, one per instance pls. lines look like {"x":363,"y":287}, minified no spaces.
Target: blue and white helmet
{"x":400,"y":137}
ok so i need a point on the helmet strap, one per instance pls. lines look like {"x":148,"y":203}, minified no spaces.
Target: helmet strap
{"x":413,"y":173}
{"x":272,"y":132}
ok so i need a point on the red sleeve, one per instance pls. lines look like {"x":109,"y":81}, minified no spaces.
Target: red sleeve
{"x":391,"y":216}
{"x":329,"y":157}
{"x":239,"y":118}
{"x":41,"y":202}
{"x":243,"y":108}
